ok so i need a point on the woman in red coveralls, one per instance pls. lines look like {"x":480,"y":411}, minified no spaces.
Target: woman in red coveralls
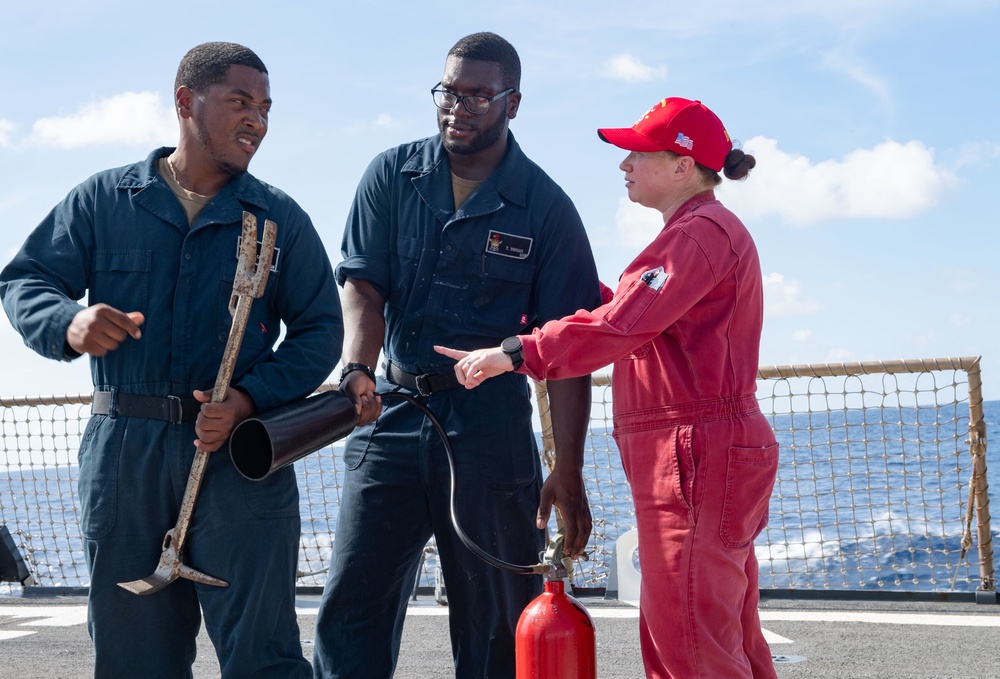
{"x":683,"y":330}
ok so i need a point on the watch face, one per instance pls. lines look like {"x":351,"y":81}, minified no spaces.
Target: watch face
{"x":511,"y":345}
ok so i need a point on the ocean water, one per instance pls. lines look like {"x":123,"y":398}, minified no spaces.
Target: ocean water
{"x":875,"y":500}
{"x":872,"y":505}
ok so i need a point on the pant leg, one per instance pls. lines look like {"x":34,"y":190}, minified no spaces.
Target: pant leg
{"x":382,"y":528}
{"x":244,"y":533}
{"x":697,"y":515}
{"x":664,"y":520}
{"x":396,"y":491}
{"x":498,"y":480}
{"x":247,"y":533}
{"x":485,"y":602}
{"x":751,"y":466}
{"x":755,"y":646}
{"x":128,"y":504}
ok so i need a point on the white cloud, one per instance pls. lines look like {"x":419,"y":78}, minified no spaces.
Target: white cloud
{"x":802,"y":336}
{"x":628,"y":68}
{"x":138,"y":118}
{"x":976,"y":153}
{"x":635,"y":225}
{"x":6,"y":127}
{"x":890,"y":181}
{"x":860,"y":73}
{"x":785,"y":298}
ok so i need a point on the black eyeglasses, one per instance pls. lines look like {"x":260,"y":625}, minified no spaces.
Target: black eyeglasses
{"x":474,"y":104}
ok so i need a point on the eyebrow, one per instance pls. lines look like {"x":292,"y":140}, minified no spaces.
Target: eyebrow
{"x":480,"y":91}
{"x":247,"y":95}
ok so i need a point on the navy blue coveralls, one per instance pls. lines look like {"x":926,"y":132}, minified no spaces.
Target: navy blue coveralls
{"x":123,"y":238}
{"x":513,"y":256}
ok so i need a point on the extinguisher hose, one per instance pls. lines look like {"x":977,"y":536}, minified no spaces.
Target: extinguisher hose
{"x":466,"y":540}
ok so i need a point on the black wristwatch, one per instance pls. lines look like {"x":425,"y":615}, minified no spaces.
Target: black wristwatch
{"x":351,"y":367}
{"x":512,"y":347}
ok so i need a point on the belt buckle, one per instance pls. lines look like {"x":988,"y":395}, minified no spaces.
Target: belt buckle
{"x":176,"y":410}
{"x":423,"y":385}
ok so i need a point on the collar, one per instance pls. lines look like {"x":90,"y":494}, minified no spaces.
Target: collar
{"x":228,"y":203}
{"x":692,"y":204}
{"x":510,"y":176}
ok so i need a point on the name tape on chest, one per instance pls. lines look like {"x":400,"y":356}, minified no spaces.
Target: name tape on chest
{"x":655,"y":278}
{"x":260,"y":244}
{"x":508,"y":245}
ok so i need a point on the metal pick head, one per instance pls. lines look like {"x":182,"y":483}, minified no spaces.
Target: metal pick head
{"x":167,"y":570}
{"x":247,"y":270}
{"x":253,"y":268}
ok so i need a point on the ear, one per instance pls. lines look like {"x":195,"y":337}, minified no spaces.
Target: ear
{"x":184,"y":101}
{"x":513,"y":103}
{"x":685,"y":165}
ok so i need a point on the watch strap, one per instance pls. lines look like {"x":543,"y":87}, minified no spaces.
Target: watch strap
{"x":351,"y":367}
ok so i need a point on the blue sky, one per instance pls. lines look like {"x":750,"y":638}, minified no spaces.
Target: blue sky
{"x":874,"y":124}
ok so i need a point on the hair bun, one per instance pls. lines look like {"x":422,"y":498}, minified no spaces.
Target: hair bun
{"x":739,"y":164}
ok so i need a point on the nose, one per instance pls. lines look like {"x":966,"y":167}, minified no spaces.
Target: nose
{"x":459,"y":110}
{"x":256,"y":119}
{"x":626,"y":164}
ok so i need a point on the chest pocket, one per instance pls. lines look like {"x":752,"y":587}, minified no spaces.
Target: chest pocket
{"x":121,"y":279}
{"x":500,"y":295}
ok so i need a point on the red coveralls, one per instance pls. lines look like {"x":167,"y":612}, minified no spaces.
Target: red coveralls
{"x":683,"y":329}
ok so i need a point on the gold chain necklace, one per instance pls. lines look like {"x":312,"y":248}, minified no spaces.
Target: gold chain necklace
{"x":173,"y":171}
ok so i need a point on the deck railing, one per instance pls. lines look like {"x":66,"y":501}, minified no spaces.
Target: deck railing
{"x":882,"y":484}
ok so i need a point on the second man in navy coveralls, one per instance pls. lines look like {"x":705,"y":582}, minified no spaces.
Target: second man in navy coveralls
{"x":455,"y":238}
{"x":154,"y":246}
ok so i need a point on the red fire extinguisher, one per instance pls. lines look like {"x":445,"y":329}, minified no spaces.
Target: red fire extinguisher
{"x":555,"y":637}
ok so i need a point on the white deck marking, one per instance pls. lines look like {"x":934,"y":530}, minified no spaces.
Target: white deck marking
{"x":430,"y":608}
{"x":46,"y":616}
{"x":65,"y":616}
{"x":773,"y":638}
{"x":13,"y":635}
{"x":884,"y":618}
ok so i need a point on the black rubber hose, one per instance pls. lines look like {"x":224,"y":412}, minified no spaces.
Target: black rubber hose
{"x":466,"y":540}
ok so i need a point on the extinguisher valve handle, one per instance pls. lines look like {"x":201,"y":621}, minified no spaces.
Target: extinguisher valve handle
{"x":554,"y":552}
{"x":552,"y":560}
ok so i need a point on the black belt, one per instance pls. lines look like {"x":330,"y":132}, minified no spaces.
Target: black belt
{"x":173,"y":409}
{"x":425,"y":385}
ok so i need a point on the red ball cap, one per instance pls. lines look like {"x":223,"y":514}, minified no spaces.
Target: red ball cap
{"x":686,"y":127}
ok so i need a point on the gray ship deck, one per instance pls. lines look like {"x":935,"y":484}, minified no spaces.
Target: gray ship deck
{"x":46,"y":637}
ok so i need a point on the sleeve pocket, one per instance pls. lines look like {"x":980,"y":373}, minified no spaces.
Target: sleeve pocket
{"x":750,"y":475}
{"x":626,"y":311}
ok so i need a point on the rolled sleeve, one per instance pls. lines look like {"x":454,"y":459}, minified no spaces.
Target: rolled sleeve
{"x":365,"y":246}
